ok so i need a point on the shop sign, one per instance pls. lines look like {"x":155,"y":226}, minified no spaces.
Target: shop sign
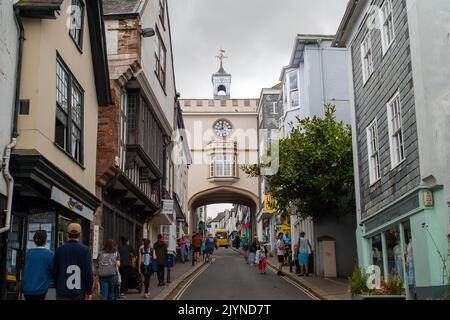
{"x":270,"y":204}
{"x":95,"y":244}
{"x":428,"y":199}
{"x":71,"y":203}
{"x":167,"y":207}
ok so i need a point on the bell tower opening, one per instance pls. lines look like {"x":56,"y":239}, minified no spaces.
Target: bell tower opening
{"x":221,"y":80}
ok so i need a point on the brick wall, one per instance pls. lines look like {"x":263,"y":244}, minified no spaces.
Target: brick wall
{"x":393,"y":73}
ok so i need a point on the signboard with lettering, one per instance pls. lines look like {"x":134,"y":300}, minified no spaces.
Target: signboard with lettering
{"x":428,"y":199}
{"x":95,"y":244}
{"x":72,"y":204}
{"x":270,"y":204}
{"x":167,"y":207}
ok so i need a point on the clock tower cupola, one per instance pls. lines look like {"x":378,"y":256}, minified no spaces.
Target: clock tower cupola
{"x":221,"y":80}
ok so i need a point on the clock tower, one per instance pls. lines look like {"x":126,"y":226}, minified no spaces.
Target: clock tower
{"x":221,"y":80}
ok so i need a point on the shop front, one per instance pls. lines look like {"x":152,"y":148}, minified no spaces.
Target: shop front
{"x":44,"y":199}
{"x":407,"y":240}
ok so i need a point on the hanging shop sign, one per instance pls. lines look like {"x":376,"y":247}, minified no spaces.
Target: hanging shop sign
{"x":167,"y":207}
{"x":95,"y":242}
{"x":270,"y":204}
{"x":71,"y":203}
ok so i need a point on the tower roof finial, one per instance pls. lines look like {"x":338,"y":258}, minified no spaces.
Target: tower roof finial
{"x":221,"y":56}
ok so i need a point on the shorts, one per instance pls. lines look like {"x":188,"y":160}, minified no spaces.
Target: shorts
{"x":280,"y":259}
{"x":197,"y":249}
{"x":303,"y":258}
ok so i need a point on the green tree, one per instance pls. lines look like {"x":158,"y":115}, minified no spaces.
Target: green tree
{"x":315,"y":176}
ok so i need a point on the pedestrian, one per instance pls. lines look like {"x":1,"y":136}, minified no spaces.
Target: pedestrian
{"x":108,"y":265}
{"x":160,"y":248}
{"x":72,"y":268}
{"x":237,"y":242}
{"x":303,"y":254}
{"x":38,"y":268}
{"x":210,"y":244}
{"x":146,"y":257}
{"x":252,"y":251}
{"x":288,"y":250}
{"x":280,"y":248}
{"x":262,"y":260}
{"x":183,"y":248}
{"x":126,"y":255}
{"x":203,"y":249}
{"x":197,"y":243}
{"x":245,"y":247}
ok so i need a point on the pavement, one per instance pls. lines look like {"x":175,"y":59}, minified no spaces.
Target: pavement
{"x":321,"y":288}
{"x":230,"y":278}
{"x":178,"y":273}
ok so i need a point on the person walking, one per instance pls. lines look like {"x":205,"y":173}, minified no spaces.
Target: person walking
{"x":252,"y":251}
{"x":108,"y":265}
{"x":38,"y":268}
{"x":160,"y":248}
{"x":72,"y":268}
{"x":146,"y":257}
{"x":210,"y":244}
{"x":183,"y":247}
{"x":281,"y":250}
{"x":197,"y":244}
{"x":303,"y":254}
{"x":288,"y":250}
{"x":237,"y":242}
{"x":262,"y":260}
{"x":126,"y":255}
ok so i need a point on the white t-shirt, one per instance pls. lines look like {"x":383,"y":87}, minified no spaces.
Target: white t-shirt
{"x":280,"y":246}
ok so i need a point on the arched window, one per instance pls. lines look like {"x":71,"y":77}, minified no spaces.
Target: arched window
{"x":221,"y":90}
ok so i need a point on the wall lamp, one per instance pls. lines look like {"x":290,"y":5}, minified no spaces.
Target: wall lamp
{"x":147,"y":32}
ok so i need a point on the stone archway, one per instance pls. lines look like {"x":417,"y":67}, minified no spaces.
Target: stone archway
{"x":224,"y":194}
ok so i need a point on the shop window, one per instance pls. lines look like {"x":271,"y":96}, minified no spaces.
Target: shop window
{"x":394,"y":252}
{"x":377,"y":253}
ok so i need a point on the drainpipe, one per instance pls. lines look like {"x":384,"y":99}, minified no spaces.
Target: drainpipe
{"x":12,"y":144}
{"x":319,"y":43}
{"x":10,"y":181}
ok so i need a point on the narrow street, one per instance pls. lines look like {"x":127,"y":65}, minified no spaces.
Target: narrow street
{"x":230,"y":278}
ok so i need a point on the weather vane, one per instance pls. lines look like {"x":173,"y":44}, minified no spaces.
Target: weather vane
{"x":221,"y":56}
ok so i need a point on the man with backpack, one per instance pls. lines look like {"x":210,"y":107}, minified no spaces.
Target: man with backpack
{"x":72,"y":266}
{"x":146,"y":257}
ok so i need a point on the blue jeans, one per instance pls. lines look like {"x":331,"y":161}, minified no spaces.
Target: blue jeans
{"x":108,"y":287}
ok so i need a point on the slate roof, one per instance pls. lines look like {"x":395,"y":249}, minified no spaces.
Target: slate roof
{"x":112,"y":7}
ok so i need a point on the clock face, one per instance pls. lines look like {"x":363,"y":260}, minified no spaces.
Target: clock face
{"x":222,"y":128}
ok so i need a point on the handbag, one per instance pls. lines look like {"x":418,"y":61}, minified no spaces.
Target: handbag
{"x":154,"y":266}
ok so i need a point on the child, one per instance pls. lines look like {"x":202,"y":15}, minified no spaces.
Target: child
{"x":262,"y":260}
{"x":203,"y":249}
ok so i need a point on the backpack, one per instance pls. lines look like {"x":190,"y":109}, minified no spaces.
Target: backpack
{"x":147,"y":256}
{"x":107,"y":264}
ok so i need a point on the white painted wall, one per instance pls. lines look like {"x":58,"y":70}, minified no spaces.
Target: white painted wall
{"x":150,"y":19}
{"x":8,"y":64}
{"x":429,"y":26}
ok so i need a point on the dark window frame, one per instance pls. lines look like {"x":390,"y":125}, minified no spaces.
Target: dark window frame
{"x":160,"y":71}
{"x":70,"y":123}
{"x":72,"y":32}
{"x":162,"y":13}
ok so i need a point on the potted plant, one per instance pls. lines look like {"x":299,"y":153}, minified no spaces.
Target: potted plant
{"x":389,"y":290}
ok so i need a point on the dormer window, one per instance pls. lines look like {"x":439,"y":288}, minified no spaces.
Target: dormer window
{"x":293,"y":89}
{"x":76,"y":22}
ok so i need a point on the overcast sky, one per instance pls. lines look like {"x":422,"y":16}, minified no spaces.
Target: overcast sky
{"x":258,"y":36}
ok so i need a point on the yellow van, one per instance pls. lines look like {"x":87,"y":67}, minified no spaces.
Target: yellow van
{"x":221,"y":237}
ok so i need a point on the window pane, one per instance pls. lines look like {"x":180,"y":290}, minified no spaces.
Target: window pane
{"x":377,"y":252}
{"x":62,"y":80}
{"x":76,"y":106}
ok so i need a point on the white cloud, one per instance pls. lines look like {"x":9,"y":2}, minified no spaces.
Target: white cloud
{"x":257,"y":34}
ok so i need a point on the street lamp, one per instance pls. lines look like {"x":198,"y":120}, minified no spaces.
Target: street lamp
{"x":147,"y":32}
